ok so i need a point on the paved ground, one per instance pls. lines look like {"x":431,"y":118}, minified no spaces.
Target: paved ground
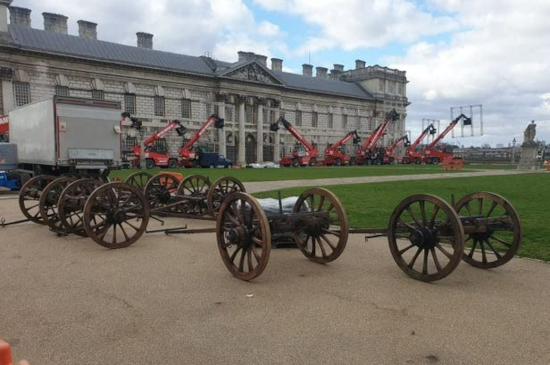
{"x":255,"y":187}
{"x":170,"y":300}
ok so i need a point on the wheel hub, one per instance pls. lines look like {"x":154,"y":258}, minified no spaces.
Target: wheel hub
{"x":237,"y":236}
{"x":117,"y":216}
{"x":423,"y":238}
{"x":164,"y":196}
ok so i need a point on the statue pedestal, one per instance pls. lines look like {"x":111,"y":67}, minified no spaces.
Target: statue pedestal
{"x":528,"y":159}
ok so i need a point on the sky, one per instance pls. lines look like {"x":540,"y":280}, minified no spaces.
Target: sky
{"x":494,"y":53}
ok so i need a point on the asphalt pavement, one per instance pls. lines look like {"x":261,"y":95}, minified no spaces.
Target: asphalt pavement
{"x":170,"y":300}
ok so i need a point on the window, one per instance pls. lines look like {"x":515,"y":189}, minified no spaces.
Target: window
{"x":400,"y":90}
{"x":331,"y":121}
{"x":249,"y":114}
{"x":344,"y":121}
{"x":98,"y":95}
{"x":131,"y":142}
{"x":159,"y":106}
{"x":391,"y":87}
{"x":130,"y":103}
{"x":315,"y":120}
{"x":21,"y":93}
{"x":62,"y":90}
{"x":298,"y":118}
{"x":186,"y":108}
{"x":229,"y":113}
{"x":381,"y":86}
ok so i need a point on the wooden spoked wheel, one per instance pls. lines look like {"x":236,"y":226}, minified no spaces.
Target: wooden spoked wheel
{"x":196,"y":188}
{"x":160,"y":190}
{"x":426,"y":237}
{"x":244,"y":236}
{"x":322,"y":234}
{"x":71,"y":205}
{"x":219,"y":190}
{"x":500,"y":240}
{"x":49,"y":202}
{"x":139,"y":179}
{"x":29,"y":197}
{"x":116,"y":215}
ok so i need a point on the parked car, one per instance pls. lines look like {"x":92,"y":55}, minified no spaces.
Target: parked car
{"x":213,"y":160}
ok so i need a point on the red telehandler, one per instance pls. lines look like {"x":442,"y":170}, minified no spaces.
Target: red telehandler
{"x":389,"y":154}
{"x":368,"y":153}
{"x":413,"y":156}
{"x":156,"y":155}
{"x":188,"y":157}
{"x":434,"y":154}
{"x":304,"y":154}
{"x":334,"y":154}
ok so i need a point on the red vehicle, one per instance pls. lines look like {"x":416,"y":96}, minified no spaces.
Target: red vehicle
{"x":304,"y":154}
{"x":434,"y":154}
{"x":368,"y":153}
{"x":334,"y":154}
{"x":4,"y":128}
{"x":188,"y":157}
{"x":389,"y":154}
{"x":411,"y":154}
{"x":157,"y":155}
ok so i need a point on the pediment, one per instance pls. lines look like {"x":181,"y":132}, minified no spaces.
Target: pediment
{"x":253,"y":72}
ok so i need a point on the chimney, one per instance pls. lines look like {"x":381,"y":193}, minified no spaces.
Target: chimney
{"x":338,"y":67}
{"x":87,"y":29}
{"x":261,"y":59}
{"x":55,"y":23}
{"x":4,"y":4}
{"x":276,"y":64}
{"x":307,"y":70}
{"x":20,"y":16}
{"x":359,"y":64}
{"x":322,"y":72}
{"x":246,"y":56}
{"x":144,"y":40}
{"x":335,"y":74}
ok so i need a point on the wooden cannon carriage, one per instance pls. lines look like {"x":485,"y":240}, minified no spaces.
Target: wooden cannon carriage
{"x":427,"y":236}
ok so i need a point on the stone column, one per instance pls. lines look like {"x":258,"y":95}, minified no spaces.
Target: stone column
{"x":260,"y":138}
{"x":7,"y":96}
{"x":221,"y":132}
{"x":277,"y":148}
{"x":241,"y":160}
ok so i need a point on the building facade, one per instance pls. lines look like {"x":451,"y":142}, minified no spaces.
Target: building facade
{"x":158,"y":87}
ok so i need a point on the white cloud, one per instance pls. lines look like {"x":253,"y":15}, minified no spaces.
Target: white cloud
{"x":500,"y":60}
{"x":356,"y":24}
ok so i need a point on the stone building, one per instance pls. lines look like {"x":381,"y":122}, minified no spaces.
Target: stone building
{"x":158,"y":86}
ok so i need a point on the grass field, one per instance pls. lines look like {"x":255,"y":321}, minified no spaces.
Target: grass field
{"x":370,"y":205}
{"x":306,"y":173}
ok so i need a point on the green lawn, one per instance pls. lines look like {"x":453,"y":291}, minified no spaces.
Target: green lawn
{"x":370,"y":205}
{"x":303,"y":173}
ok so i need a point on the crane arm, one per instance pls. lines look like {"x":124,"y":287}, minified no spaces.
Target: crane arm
{"x":371,"y":142}
{"x":345,"y":140}
{"x":289,"y":127}
{"x":174,"y":124}
{"x":395,"y":144}
{"x":448,"y":129}
{"x":429,"y":130}
{"x":214,"y":119}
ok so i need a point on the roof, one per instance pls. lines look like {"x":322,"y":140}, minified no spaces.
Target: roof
{"x":51,"y":42}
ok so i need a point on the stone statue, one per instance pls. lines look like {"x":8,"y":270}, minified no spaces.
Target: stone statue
{"x":529,"y":134}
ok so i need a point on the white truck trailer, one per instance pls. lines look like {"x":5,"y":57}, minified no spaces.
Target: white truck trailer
{"x":64,"y":135}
